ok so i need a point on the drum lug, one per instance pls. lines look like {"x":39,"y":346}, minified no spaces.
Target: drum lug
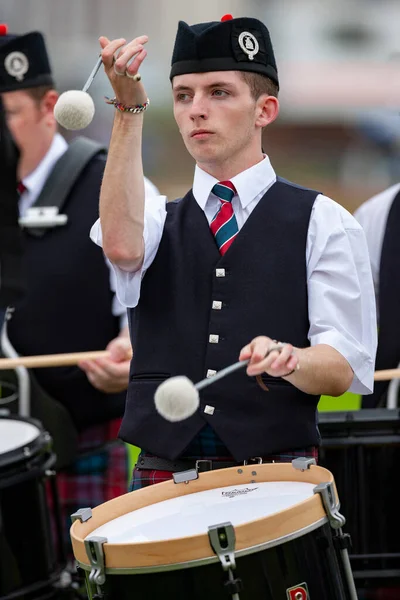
{"x":95,"y":551}
{"x":82,"y":515}
{"x":222,"y":539}
{"x":303,"y":463}
{"x":331,"y":504}
{"x":192,"y":474}
{"x":254,"y":460}
{"x":185,"y":476}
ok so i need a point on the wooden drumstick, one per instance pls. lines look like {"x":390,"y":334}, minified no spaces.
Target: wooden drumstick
{"x":73,"y":358}
{"x":386,"y":374}
{"x":51,"y":360}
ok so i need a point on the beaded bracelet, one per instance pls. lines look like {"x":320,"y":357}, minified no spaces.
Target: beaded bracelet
{"x":123,"y":108}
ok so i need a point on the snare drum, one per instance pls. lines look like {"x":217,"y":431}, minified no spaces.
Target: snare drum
{"x":258,"y":532}
{"x":27,"y":556}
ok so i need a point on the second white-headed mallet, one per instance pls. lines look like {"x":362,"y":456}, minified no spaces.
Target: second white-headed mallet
{"x":177,"y":398}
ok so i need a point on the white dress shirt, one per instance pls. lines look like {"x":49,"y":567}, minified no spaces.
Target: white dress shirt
{"x":372,"y":216}
{"x":341,"y":299}
{"x":34,"y":183}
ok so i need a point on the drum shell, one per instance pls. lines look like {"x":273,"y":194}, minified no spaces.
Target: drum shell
{"x":26,"y":544}
{"x":265,"y":575}
{"x":282,"y":538}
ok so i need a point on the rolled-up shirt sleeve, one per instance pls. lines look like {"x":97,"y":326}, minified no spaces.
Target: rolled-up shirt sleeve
{"x":127,"y":284}
{"x":342,"y":311}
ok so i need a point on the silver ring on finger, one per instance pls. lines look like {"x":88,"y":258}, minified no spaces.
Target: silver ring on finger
{"x":136,"y":77}
{"x":276,"y":347}
{"x":119,"y":72}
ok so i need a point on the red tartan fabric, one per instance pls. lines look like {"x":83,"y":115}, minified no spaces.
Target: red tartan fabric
{"x":99,"y":474}
{"x":144,"y":477}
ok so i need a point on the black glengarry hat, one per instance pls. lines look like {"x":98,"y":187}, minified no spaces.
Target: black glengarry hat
{"x":241,"y":44}
{"x":24,"y":62}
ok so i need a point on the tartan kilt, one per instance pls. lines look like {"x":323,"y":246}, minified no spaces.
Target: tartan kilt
{"x":99,"y":474}
{"x":144,"y":477}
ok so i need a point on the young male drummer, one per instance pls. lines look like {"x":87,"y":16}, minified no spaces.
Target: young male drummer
{"x":243,"y":260}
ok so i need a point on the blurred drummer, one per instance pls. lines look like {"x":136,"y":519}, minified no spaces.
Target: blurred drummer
{"x":11,"y":278}
{"x":380,"y":219}
{"x":244,"y":253}
{"x":70,"y":305}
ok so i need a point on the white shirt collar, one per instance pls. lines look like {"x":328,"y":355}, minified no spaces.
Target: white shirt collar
{"x":249,"y":184}
{"x":35,"y":181}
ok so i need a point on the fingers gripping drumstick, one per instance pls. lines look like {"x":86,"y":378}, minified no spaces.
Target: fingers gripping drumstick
{"x":177,"y":398}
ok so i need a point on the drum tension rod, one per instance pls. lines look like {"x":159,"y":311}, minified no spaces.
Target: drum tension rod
{"x":331,"y":504}
{"x":95,"y":552}
{"x":222,"y":541}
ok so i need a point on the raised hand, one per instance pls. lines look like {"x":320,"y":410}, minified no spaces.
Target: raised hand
{"x":122,"y":62}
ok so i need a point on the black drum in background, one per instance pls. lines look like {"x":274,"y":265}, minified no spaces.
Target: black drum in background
{"x":362,"y":450}
{"x":28,"y":561}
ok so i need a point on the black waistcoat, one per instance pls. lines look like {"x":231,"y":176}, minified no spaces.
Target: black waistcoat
{"x":261,"y":282}
{"x":388,"y":351}
{"x":67,"y":307}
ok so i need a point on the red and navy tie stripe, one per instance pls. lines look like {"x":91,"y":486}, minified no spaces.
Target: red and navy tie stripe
{"x":224,"y":225}
{"x":21,"y":188}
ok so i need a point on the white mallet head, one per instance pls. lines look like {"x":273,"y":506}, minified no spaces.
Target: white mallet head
{"x":176,"y":399}
{"x":74,"y":109}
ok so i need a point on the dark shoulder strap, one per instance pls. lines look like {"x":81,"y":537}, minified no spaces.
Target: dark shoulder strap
{"x":67,"y":170}
{"x":65,"y":173}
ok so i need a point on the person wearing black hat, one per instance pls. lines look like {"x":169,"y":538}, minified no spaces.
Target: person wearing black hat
{"x":70,"y":304}
{"x":11,"y":277}
{"x":243,"y":260}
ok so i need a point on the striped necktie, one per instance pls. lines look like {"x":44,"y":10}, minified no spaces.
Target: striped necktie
{"x":224,"y":225}
{"x":21,"y":188}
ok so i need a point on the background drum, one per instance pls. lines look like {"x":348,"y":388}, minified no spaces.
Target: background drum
{"x":28,"y":566}
{"x":362,"y":450}
{"x":259,"y":532}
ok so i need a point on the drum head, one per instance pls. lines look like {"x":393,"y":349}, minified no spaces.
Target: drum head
{"x":168,"y":524}
{"x":193,"y":514}
{"x":18,"y":438}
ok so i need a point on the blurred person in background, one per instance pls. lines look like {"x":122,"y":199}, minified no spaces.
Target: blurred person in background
{"x":11,"y":278}
{"x":70,"y":304}
{"x":244,"y":252}
{"x":380,"y":218}
{"x":373,"y":153}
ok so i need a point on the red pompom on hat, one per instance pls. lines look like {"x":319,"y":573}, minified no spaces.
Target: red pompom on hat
{"x":226,"y":18}
{"x":3,"y":29}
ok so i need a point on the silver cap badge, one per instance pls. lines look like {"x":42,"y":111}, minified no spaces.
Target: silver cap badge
{"x":249,"y":44}
{"x":16,"y":64}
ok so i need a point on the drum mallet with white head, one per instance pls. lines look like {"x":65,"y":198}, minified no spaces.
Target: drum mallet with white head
{"x":74,"y":109}
{"x":177,"y":398}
